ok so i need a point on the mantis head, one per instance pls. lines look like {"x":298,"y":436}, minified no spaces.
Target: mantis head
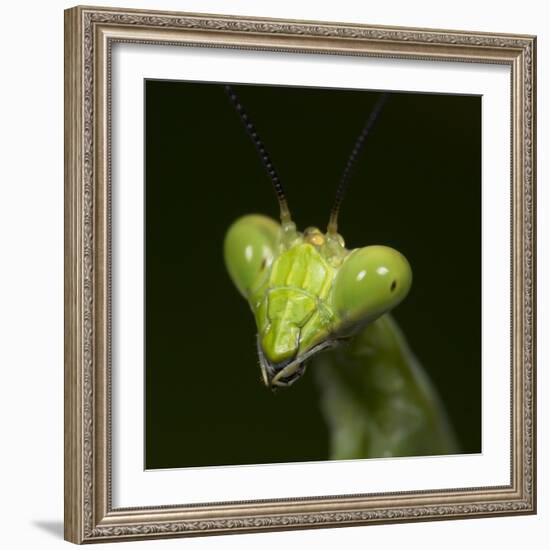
{"x":306,"y":291}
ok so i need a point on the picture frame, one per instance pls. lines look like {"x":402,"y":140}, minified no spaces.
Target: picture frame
{"x":91,"y":469}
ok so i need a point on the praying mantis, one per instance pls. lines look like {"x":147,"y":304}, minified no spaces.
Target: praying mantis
{"x":318,"y":305}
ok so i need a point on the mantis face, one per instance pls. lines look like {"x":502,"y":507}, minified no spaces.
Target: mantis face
{"x":306,"y":291}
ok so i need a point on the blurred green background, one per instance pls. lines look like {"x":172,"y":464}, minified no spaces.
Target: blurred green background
{"x":416,"y":187}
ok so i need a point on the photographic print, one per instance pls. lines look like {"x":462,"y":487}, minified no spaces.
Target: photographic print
{"x":313,"y":274}
{"x":299,"y":263}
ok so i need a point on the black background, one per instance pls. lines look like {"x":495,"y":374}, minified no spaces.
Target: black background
{"x":417,"y":188}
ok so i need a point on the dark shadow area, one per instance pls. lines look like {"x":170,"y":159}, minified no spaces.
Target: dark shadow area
{"x":52,"y":527}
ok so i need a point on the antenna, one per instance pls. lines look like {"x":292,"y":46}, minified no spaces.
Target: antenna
{"x":266,"y":161}
{"x":346,"y":174}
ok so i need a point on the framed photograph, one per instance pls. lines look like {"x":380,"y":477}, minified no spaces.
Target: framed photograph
{"x":300,"y":274}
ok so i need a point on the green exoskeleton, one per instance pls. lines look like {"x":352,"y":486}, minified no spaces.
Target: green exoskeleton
{"x":317,"y":303}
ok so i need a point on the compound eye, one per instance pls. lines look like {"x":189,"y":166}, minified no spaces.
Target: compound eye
{"x":249,"y":248}
{"x":370,"y":282}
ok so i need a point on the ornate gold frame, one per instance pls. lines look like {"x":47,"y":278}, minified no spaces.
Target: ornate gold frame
{"x":89,"y":34}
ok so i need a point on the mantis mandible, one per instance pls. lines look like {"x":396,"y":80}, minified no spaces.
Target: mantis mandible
{"x":319,"y":304}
